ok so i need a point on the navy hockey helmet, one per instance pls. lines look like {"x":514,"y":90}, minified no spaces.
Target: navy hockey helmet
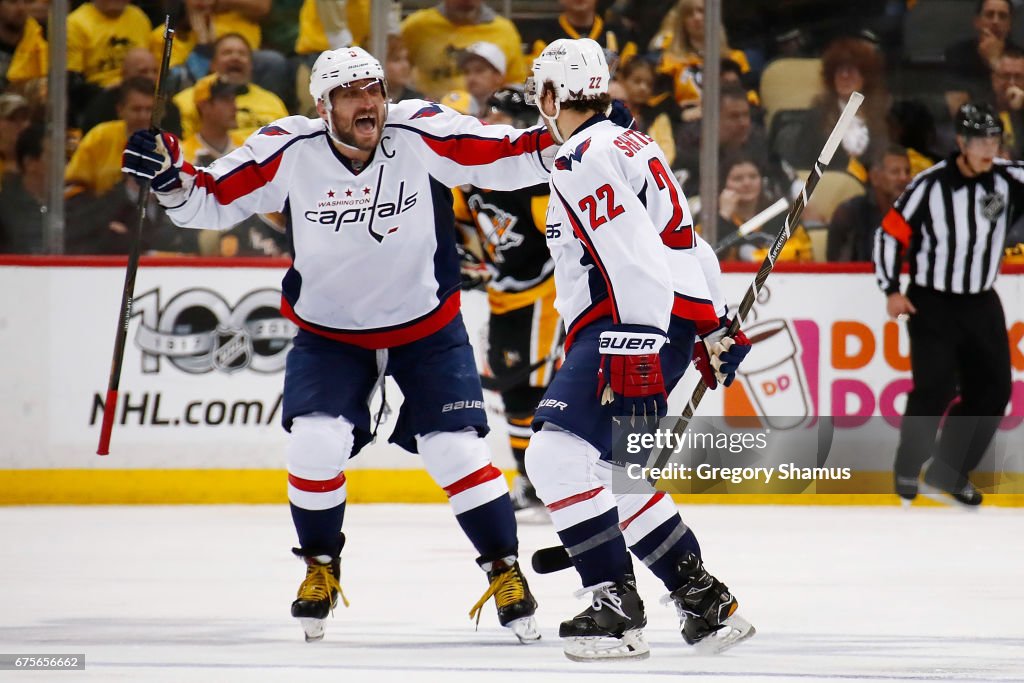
{"x":978,"y":121}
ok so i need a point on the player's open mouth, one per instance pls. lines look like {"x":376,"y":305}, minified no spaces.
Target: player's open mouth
{"x":365,"y":124}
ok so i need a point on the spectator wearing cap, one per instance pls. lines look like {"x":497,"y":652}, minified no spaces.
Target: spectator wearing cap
{"x":217,"y":133}
{"x":232,"y":61}
{"x":138,"y":63}
{"x":14,"y":118}
{"x":483,"y":68}
{"x":436,"y":36}
{"x":99,"y":35}
{"x":579,"y":19}
{"x":23,"y":197}
{"x":95,"y":166}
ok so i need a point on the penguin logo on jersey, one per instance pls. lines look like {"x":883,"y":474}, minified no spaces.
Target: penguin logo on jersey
{"x":497,"y":225}
{"x":565,"y":163}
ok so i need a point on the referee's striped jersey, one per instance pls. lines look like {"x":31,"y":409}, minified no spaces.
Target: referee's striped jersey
{"x":950,"y":228}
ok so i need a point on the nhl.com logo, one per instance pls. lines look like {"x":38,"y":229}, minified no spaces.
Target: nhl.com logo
{"x":198,"y":331}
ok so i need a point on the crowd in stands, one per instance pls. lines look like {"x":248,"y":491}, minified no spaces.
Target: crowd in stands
{"x":787,"y":69}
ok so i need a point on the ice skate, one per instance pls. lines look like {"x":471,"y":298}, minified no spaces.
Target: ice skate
{"x":318,"y":593}
{"x":961,"y":493}
{"x":610,"y":628}
{"x":906,"y":489}
{"x":516,"y":604}
{"x":707,"y":610}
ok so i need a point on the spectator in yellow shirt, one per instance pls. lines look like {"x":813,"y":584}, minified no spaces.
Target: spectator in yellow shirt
{"x":436,"y":36}
{"x":232,"y":61}
{"x":217,"y":133}
{"x":199,"y":25}
{"x":138,"y":63}
{"x":13,"y":17}
{"x":682,"y":43}
{"x":330,"y":25}
{"x":99,"y":35}
{"x":26,"y":72}
{"x":95,"y":166}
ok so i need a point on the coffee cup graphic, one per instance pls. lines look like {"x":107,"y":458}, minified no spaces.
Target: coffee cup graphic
{"x":774,"y":377}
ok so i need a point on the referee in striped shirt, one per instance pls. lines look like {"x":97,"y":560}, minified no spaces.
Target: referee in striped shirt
{"x":949,"y":225}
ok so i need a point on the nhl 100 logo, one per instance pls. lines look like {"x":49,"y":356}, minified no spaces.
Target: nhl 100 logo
{"x":198,"y":331}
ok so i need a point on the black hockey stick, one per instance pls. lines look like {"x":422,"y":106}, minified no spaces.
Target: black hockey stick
{"x":556,"y":558}
{"x":128,"y":292}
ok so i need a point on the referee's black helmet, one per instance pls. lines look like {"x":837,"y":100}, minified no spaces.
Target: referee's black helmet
{"x":978,"y":121}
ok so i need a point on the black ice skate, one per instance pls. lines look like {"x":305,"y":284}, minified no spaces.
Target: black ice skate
{"x":706,"y":609}
{"x":950,"y":488}
{"x":319,"y":591}
{"x":516,"y":604}
{"x":906,"y":488}
{"x":610,"y":628}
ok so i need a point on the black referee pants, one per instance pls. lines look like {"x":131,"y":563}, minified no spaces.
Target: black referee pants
{"x":958,"y":344}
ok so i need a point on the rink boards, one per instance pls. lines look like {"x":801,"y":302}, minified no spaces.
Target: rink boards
{"x":199,"y":417}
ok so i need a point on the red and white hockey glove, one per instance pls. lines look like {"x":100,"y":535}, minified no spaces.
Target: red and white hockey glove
{"x":630,"y":373}
{"x":155,"y":157}
{"x":718,"y":356}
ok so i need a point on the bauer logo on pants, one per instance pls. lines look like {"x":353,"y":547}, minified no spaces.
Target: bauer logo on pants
{"x":198,"y":331}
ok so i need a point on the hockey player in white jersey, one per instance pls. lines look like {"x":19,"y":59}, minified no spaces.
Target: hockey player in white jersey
{"x":374,"y":290}
{"x":640,"y":292}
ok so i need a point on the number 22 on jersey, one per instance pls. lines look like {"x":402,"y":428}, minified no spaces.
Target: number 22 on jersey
{"x":600,"y":208}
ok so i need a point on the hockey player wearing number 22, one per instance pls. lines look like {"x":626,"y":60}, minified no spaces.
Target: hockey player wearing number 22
{"x":640,"y":292}
{"x":374,"y":289}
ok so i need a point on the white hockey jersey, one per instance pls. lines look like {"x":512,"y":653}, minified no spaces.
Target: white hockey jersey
{"x":622,"y":238}
{"x":375,"y":260}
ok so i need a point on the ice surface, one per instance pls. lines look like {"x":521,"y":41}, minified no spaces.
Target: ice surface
{"x":202,"y":594}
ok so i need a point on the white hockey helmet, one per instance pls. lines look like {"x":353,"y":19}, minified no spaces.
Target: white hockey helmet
{"x":337,"y":68}
{"x":577,"y":69}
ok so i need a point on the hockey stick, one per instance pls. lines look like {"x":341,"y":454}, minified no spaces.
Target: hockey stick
{"x":128,"y":291}
{"x":556,"y":558}
{"x":754,"y":224}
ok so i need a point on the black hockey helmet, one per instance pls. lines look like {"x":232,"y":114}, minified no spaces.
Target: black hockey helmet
{"x":978,"y":121}
{"x":512,"y":102}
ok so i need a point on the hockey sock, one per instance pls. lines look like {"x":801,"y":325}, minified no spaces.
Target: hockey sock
{"x":595,"y":545}
{"x":657,"y":536}
{"x":318,"y":530}
{"x":491,"y":528}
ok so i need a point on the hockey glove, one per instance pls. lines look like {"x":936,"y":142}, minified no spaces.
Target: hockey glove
{"x":472,"y":271}
{"x":155,"y":157}
{"x":630,"y":374}
{"x":718,"y":356}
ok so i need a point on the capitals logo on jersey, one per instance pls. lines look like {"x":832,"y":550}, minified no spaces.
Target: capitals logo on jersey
{"x":564,"y":163}
{"x":273,"y":130}
{"x":427,"y":112}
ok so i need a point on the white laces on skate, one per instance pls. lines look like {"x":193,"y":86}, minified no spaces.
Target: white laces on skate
{"x":603,"y":597}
